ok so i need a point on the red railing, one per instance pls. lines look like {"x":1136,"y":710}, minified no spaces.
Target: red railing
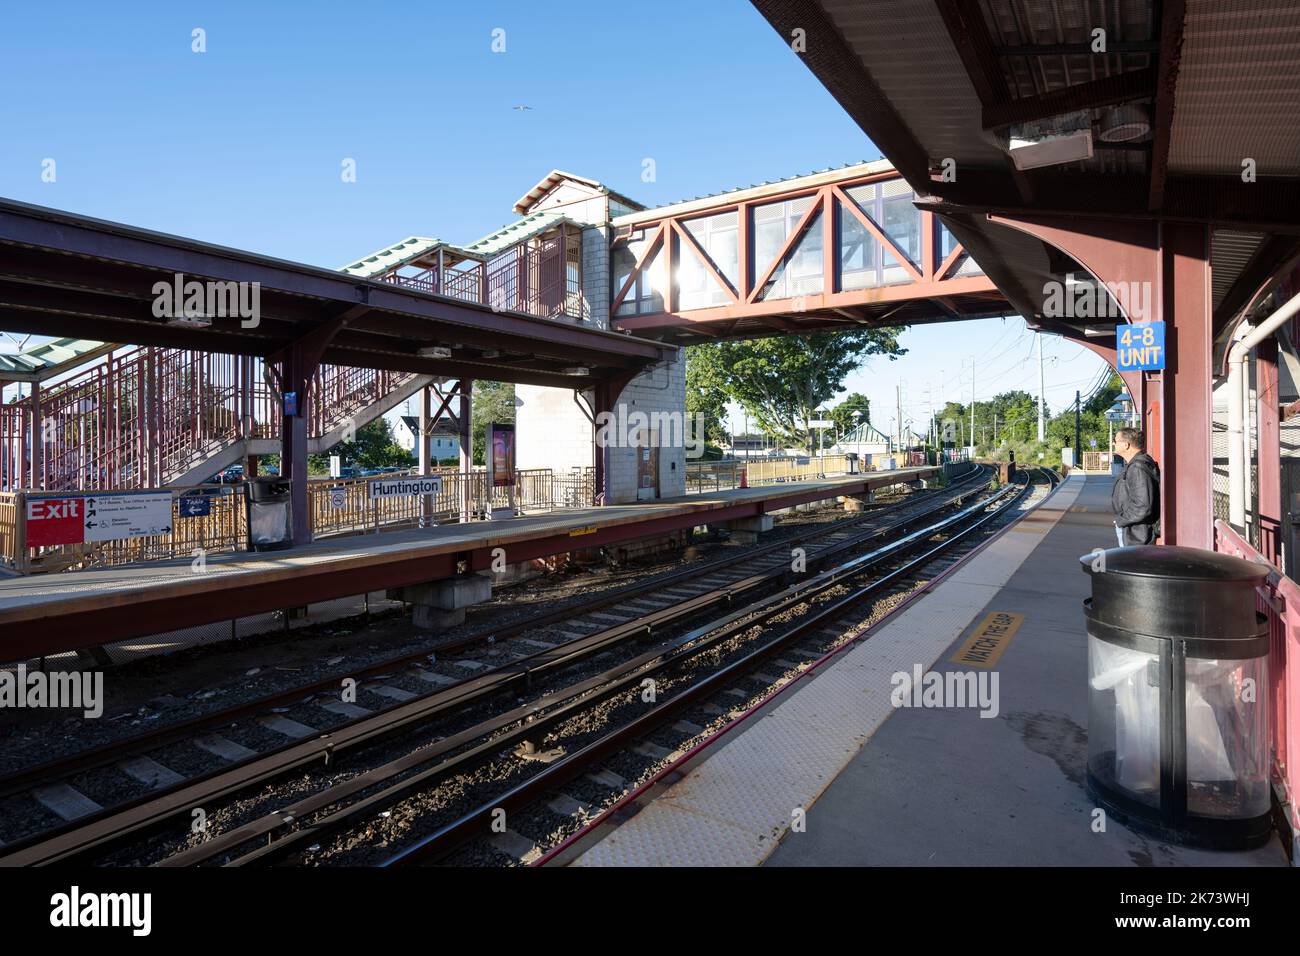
{"x":540,"y":278}
{"x":1279,"y":601}
{"x":146,"y":416}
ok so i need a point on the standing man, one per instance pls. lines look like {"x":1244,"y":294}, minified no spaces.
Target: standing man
{"x":1135,"y":498}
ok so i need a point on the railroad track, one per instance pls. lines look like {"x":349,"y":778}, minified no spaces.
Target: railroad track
{"x":555,"y":641}
{"x":804,"y":624}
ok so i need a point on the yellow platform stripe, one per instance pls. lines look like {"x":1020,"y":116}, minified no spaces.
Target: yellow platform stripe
{"x":989,"y":640}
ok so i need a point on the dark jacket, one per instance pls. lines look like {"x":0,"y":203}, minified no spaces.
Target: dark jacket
{"x":1135,"y":499}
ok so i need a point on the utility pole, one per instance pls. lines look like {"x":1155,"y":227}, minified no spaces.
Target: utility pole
{"x":1041,"y":402}
{"x":1078,"y":424}
{"x":972,"y":402}
{"x":898,"y":397}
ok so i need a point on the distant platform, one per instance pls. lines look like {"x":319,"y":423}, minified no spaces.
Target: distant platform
{"x":52,"y":613}
{"x":886,"y":786}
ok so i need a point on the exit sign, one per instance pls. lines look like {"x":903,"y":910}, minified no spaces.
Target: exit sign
{"x":1140,"y":348}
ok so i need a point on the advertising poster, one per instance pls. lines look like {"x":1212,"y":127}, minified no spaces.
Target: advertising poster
{"x":503,"y":455}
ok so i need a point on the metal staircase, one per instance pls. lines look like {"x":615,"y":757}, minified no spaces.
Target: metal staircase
{"x":140,"y":417}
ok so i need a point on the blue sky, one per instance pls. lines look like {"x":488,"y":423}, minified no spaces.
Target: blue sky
{"x":242,"y":145}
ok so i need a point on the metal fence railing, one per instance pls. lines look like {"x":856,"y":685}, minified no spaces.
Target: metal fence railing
{"x":711,"y":476}
{"x":703,"y":477}
{"x":1279,"y":601}
{"x":221,"y":528}
{"x":335,"y":507}
{"x":10,"y":545}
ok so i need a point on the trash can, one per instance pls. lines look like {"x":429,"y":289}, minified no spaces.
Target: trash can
{"x":1178,"y":742}
{"x":851,"y":463}
{"x":268,"y":505}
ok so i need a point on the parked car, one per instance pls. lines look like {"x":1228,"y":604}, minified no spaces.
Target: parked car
{"x":231,"y":476}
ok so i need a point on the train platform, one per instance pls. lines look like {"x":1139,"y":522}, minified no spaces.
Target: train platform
{"x":41,"y":615}
{"x":829,"y":771}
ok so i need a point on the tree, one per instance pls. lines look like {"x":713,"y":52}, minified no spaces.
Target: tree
{"x":953,"y":419}
{"x":842,"y":414}
{"x":781,"y":381}
{"x":704,"y":397}
{"x":373,"y":447}
{"x":1016,"y":416}
{"x":494,"y":403}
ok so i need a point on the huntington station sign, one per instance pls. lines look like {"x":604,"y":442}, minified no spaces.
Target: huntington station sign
{"x":405,"y":487}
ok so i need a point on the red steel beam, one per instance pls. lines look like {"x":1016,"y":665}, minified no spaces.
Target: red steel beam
{"x":1108,"y":90}
{"x":963,"y":285}
{"x":1172,"y":13}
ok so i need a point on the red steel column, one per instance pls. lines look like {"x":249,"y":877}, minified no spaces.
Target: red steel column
{"x":1270,"y":452}
{"x":293,"y":442}
{"x":422,"y":453}
{"x":1187,"y":513}
{"x":603,"y":403}
{"x":38,"y":440}
{"x":466,"y":389}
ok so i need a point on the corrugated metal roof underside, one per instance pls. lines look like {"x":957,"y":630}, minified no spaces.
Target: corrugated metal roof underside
{"x":1013,"y":23}
{"x":904,"y":63}
{"x":1238,"y":82}
{"x":48,"y":356}
{"x":1229,"y":253}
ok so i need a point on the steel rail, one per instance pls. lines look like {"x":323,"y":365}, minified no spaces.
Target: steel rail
{"x":153,"y":810}
{"x":451,"y":835}
{"x":66,"y":766}
{"x":530,"y":721}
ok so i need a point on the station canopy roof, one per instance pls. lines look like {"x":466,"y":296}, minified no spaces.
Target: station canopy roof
{"x":73,"y":277}
{"x":44,"y":360}
{"x":1187,"y":95}
{"x":420,"y":251}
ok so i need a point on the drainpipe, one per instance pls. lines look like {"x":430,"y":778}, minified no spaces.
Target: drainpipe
{"x":1238,"y":479}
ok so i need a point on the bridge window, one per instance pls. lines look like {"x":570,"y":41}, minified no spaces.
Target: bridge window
{"x":947,"y":242}
{"x":717,"y":236}
{"x":859,"y":250}
{"x":800,"y":273}
{"x":865,"y":261}
{"x":646,"y":294}
{"x":901,"y":222}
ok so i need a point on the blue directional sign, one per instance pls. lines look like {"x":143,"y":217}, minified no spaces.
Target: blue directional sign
{"x":194,"y":506}
{"x":1140,"y":348}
